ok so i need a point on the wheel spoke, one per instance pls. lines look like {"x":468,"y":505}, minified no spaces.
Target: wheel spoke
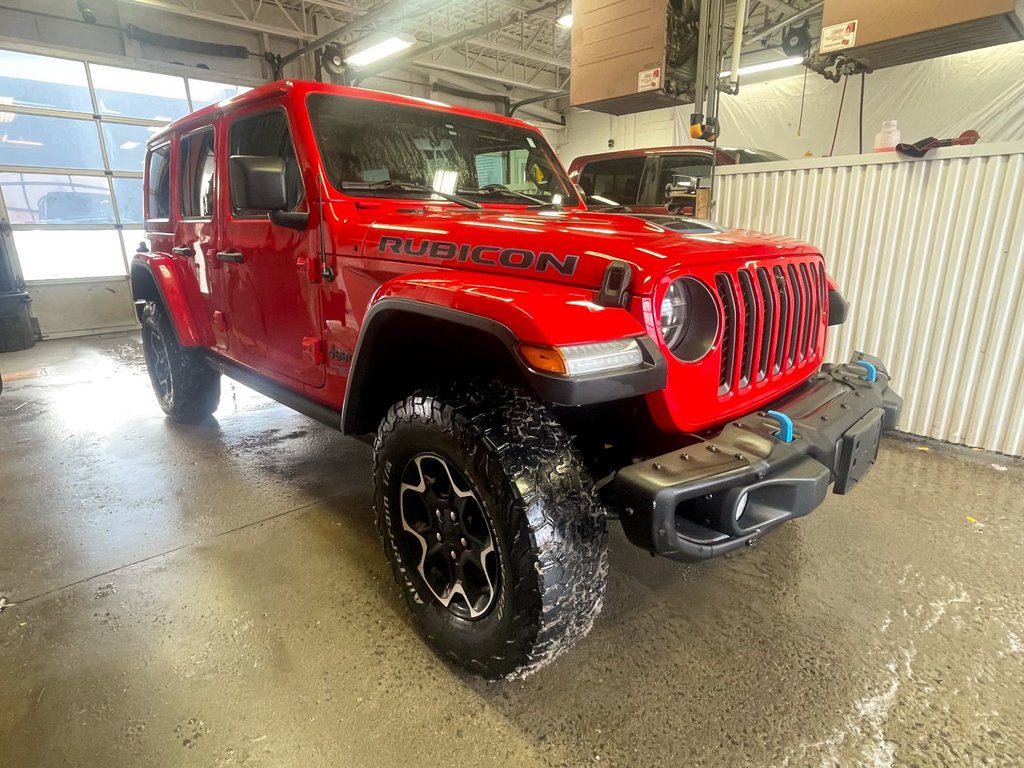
{"x":457,"y":557}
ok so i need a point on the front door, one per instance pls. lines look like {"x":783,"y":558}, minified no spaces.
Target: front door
{"x":273,"y":309}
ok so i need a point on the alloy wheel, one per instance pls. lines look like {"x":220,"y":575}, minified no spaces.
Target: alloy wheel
{"x":454,"y":544}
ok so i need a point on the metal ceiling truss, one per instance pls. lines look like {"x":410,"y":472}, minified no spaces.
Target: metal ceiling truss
{"x":517,"y":43}
{"x":529,"y":45}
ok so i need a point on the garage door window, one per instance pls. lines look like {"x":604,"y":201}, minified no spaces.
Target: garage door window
{"x":49,"y":198}
{"x":49,"y":142}
{"x":206,"y":92}
{"x":124,"y":92}
{"x":43,"y":82}
{"x":73,"y":137}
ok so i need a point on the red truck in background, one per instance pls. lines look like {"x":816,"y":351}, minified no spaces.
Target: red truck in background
{"x":638,"y":179}
{"x":428,"y":276}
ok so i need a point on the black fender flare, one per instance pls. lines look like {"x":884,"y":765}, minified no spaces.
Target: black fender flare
{"x":549,"y":388}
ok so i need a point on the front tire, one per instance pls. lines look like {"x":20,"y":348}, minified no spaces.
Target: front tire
{"x":492,"y":527}
{"x":187,"y":389}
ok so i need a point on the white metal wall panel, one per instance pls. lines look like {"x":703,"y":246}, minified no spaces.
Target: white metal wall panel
{"x":930,"y":255}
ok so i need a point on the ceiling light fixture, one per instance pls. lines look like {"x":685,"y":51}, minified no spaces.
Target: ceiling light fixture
{"x":380,"y":50}
{"x":565,"y":21}
{"x":766,"y":66}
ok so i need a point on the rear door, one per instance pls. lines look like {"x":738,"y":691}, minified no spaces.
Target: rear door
{"x":195,"y":233}
{"x":274,"y":310}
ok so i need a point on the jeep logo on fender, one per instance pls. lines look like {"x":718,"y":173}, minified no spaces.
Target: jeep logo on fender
{"x":512,"y":258}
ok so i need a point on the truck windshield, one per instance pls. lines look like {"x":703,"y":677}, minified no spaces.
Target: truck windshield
{"x":376,"y":149}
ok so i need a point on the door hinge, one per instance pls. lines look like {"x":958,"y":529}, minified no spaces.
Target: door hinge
{"x":313,"y":349}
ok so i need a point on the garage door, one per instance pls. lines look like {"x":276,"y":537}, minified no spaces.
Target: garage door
{"x":72,"y":144}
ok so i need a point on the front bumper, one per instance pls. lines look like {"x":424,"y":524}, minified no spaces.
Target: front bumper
{"x":723,"y":492}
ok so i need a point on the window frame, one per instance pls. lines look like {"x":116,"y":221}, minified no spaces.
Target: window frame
{"x":150,"y":151}
{"x":184,"y":146}
{"x":232,"y":121}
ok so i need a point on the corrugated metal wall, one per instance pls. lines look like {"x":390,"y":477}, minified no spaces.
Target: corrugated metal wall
{"x":930,"y":255}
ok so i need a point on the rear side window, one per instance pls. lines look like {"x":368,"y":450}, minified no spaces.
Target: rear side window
{"x":158,"y":183}
{"x":196,"y":160}
{"x":266,"y":135}
{"x":694,"y":166}
{"x":613,"y":182}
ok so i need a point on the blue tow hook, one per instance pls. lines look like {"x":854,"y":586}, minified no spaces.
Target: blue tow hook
{"x":785,"y":433}
{"x":870,"y":372}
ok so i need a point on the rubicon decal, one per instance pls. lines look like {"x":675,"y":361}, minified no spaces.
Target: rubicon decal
{"x":511,"y":258}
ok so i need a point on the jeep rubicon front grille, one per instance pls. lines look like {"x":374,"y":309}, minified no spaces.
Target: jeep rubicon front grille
{"x":771,"y":321}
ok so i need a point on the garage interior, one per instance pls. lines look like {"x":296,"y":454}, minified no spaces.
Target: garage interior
{"x":216,"y":594}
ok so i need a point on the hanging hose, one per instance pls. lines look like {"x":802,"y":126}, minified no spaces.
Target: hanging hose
{"x":839,"y":114}
{"x":860,"y":126}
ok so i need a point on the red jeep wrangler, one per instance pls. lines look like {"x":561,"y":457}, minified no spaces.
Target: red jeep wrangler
{"x":427,"y":275}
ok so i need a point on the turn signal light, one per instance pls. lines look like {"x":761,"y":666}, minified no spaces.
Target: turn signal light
{"x":543,"y":358}
{"x":584,"y":359}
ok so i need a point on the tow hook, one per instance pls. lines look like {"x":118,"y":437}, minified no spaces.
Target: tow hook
{"x":870,"y":372}
{"x":785,"y":433}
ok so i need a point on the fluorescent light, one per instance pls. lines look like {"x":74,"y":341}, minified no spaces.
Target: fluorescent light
{"x":766,"y":66}
{"x":380,"y":50}
{"x":130,"y":145}
{"x":565,"y":21}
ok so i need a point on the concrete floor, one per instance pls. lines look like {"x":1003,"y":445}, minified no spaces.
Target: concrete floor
{"x":217,"y":596}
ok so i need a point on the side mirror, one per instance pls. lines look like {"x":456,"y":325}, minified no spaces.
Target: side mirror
{"x":257,"y":183}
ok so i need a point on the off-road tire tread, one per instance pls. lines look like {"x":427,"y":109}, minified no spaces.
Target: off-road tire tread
{"x":560,"y":542}
{"x":196,"y":386}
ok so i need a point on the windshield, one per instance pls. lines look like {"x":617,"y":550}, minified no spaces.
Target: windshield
{"x":373,"y":148}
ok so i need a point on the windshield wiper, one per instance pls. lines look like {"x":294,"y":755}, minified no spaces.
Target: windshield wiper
{"x":385,"y":185}
{"x":490,"y":189}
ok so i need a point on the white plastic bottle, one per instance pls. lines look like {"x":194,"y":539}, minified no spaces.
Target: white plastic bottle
{"x":887,"y":138}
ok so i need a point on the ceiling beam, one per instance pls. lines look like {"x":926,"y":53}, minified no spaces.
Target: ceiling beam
{"x":385,"y":8}
{"x":216,"y":18}
{"x":416,"y":52}
{"x":513,"y":51}
{"x":493,"y":78}
{"x":536,"y":108}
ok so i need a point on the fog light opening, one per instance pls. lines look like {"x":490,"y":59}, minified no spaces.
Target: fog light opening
{"x":741,"y":505}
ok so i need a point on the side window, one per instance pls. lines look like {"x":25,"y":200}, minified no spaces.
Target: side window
{"x":613,"y":182}
{"x":196,"y":174}
{"x":158,"y":183}
{"x":698,"y":166}
{"x":266,"y":135}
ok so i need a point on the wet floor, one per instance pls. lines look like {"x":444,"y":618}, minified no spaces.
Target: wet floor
{"x":216,"y":596}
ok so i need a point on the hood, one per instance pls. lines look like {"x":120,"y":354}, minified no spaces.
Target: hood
{"x":571,"y":247}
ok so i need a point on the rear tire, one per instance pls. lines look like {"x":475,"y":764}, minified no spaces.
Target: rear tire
{"x":482,"y":488}
{"x":187,"y":389}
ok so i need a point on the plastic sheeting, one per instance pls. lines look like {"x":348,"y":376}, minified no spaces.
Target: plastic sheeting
{"x":982,"y":89}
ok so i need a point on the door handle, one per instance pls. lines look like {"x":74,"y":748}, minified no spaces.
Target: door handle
{"x":182,"y":250}
{"x":232,"y":257}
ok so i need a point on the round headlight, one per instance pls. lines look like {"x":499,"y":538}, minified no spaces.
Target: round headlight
{"x":675,"y":313}
{"x":689,"y":319}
